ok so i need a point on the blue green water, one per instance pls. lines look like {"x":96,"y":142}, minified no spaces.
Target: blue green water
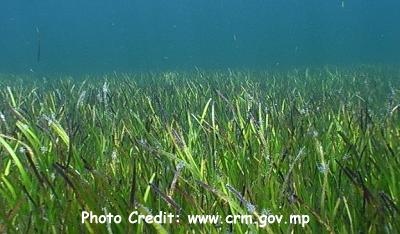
{"x":88,"y":36}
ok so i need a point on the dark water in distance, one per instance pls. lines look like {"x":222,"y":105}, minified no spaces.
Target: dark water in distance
{"x":79,"y":36}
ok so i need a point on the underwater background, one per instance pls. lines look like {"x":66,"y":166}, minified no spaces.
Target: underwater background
{"x":256,"y":108}
{"x":81,"y":36}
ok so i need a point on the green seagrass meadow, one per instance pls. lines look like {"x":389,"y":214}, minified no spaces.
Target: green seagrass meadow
{"x":323,"y":142}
